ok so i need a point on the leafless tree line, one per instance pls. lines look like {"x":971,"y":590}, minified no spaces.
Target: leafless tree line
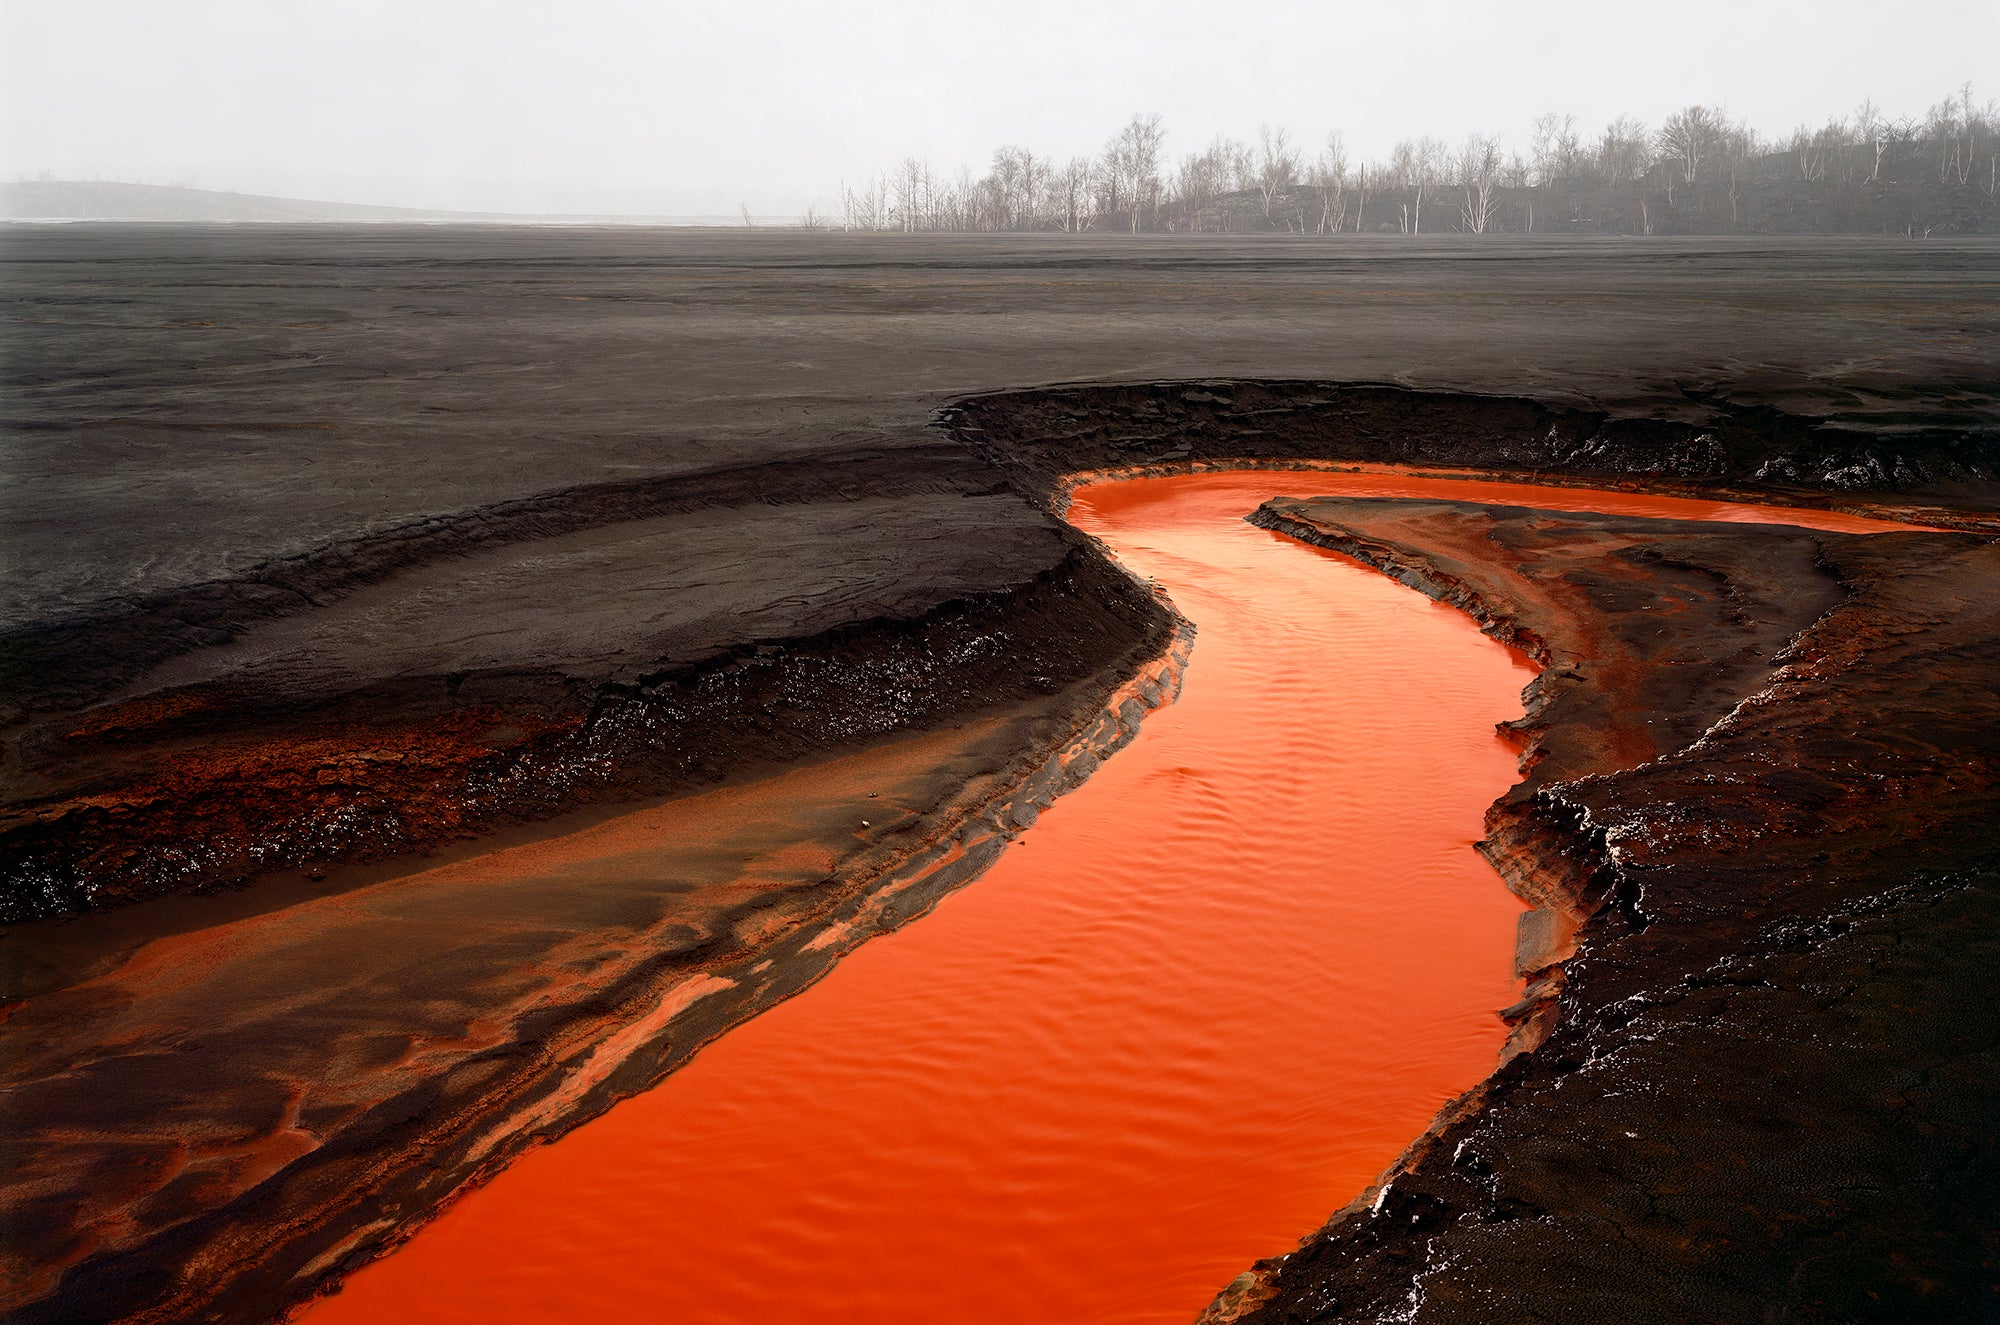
{"x":1698,"y":157}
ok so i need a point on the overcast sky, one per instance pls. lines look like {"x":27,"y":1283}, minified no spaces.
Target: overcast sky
{"x":691,"y":106}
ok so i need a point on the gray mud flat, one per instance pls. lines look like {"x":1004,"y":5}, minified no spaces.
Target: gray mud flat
{"x":329,"y":546}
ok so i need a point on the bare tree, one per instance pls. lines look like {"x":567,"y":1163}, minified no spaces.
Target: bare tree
{"x":1738,"y":145}
{"x":959,"y":208}
{"x":1132,"y":169}
{"x":1070,"y":192}
{"x":912,"y":185}
{"x":1690,"y":139}
{"x":1622,"y":153}
{"x":875,"y":204}
{"x":1942,"y":130}
{"x":1871,"y":129}
{"x":1805,"y":154}
{"x":1017,"y":190}
{"x":1277,"y":165}
{"x":1553,"y":148}
{"x":1812,"y":149}
{"x":1956,"y":127}
{"x":1514,"y":175}
{"x":1698,"y":148}
{"x":1401,"y":173}
{"x":1415,"y":166}
{"x":1554,"y":157}
{"x":1205,"y":176}
{"x":1330,"y":181}
{"x":1479,"y":175}
{"x":1433,"y":168}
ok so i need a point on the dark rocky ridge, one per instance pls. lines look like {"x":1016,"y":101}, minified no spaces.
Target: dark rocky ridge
{"x":1765,"y":1085}
{"x":1038,"y":437}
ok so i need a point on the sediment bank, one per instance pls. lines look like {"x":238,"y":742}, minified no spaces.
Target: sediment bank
{"x":1757,"y":1082}
{"x":1207,"y":997}
{"x":327,"y":1118}
{"x":1713,"y":448}
{"x":388,"y":723}
{"x":212,"y":777}
{"x":371,"y":697}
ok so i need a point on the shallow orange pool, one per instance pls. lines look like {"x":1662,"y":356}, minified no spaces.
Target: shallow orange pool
{"x":1203,"y":1002}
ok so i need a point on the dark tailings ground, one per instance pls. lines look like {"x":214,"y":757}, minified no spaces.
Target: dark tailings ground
{"x":1764,"y":774}
{"x":325,"y":546}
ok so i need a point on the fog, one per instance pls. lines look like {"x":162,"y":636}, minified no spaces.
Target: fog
{"x":696,"y":107}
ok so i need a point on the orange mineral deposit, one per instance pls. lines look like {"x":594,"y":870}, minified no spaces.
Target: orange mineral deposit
{"x":1191,"y":1012}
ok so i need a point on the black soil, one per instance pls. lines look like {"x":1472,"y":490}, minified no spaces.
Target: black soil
{"x":1754,"y":450}
{"x":1770,"y":1081}
{"x":335,"y":544}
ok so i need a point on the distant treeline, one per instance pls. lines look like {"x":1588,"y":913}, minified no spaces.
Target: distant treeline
{"x":1699,"y":172}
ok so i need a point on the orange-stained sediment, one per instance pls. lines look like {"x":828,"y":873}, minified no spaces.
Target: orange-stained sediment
{"x":1204,"y":1001}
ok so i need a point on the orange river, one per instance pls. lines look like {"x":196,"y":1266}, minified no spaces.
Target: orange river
{"x":1195,"y":1009}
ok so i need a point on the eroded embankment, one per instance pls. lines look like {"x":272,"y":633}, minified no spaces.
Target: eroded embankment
{"x":213,"y":1127}
{"x":1205,"y":1000}
{"x":202,"y":782}
{"x":415,"y":687}
{"x":1713,"y":446}
{"x":383,"y":694}
{"x":1764,"y":1075}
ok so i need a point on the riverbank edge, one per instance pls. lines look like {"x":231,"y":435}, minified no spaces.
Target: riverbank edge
{"x":1558,"y":868}
{"x":1051,"y":440}
{"x":1541,"y":870}
{"x":1070,"y":478}
{"x":428,"y":768}
{"x":238,"y":1262}
{"x":1536,"y":868}
{"x":695,"y":1010}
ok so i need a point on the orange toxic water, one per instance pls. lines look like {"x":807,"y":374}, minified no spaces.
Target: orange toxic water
{"x":1199,"y":1006}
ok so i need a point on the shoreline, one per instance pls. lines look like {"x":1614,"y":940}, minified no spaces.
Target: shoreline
{"x":1577,"y":864}
{"x":612,"y":1056}
{"x":1535,"y":1014}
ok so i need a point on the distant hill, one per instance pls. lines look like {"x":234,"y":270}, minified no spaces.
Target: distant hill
{"x":86,"y":200}
{"x":93,"y":200}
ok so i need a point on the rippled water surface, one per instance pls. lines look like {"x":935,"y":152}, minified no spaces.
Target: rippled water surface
{"x":1204,"y":1001}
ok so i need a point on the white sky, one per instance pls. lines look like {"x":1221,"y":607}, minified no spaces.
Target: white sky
{"x":690,"y":106}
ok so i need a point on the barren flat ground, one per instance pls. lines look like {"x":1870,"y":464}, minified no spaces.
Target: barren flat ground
{"x":338,"y":558}
{"x":187,"y":403}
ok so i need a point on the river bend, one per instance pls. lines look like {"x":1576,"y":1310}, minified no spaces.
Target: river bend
{"x":1197,"y":1007}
